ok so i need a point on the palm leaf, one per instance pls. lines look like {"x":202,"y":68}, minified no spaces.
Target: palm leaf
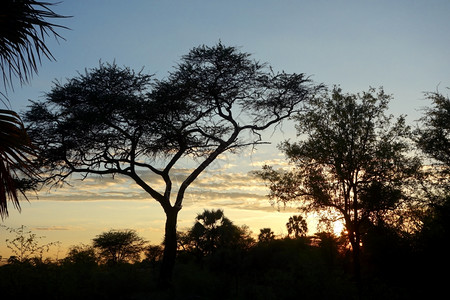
{"x":16,"y":151}
{"x":23,"y":29}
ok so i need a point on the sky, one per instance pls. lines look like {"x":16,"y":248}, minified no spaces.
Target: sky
{"x":401,"y":45}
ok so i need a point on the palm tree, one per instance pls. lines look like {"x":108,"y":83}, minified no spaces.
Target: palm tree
{"x":296,"y":226}
{"x":23,"y":29}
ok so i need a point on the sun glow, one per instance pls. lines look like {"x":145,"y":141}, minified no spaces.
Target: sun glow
{"x":338,"y":228}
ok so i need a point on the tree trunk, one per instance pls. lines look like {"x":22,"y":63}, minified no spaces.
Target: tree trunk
{"x":356,"y":251}
{"x":170,"y":248}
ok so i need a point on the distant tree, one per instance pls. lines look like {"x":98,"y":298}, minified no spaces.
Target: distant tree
{"x":266,"y":235}
{"x":153,"y":253}
{"x":108,"y":122}
{"x":213,"y":231}
{"x":23,"y":28}
{"x":329,"y":246}
{"x":353,"y":161}
{"x":297,"y":226}
{"x":26,"y":246}
{"x":117,"y":246}
{"x":81,"y":254}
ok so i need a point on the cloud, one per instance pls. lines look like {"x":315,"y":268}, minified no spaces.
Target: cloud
{"x":212,"y":188}
{"x":52,"y":228}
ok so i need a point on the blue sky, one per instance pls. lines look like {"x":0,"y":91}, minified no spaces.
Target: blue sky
{"x":401,"y":45}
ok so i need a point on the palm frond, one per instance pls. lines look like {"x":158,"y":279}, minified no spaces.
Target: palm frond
{"x":23,"y":29}
{"x":16,"y":152}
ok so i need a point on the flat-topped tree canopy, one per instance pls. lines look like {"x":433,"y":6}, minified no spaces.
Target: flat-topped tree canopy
{"x":113,"y":120}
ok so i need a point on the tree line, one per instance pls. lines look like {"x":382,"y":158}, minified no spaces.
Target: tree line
{"x":219,"y":259}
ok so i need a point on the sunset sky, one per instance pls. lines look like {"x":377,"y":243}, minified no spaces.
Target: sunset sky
{"x":401,"y":45}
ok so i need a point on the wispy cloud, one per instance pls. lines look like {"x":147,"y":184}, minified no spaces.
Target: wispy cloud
{"x":216,"y":188}
{"x":52,"y":228}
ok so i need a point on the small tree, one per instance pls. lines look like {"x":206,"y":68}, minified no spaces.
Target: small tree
{"x":113,"y":121}
{"x":118,"y":246}
{"x":81,"y":254}
{"x":213,"y":231}
{"x":266,"y":235}
{"x":25,"y":245}
{"x":297,"y":226}
{"x":153,"y":253}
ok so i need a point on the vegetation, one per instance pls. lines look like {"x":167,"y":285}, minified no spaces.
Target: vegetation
{"x":113,"y":121}
{"x":25,"y":245}
{"x":16,"y":168}
{"x":118,"y":246}
{"x":296,"y":226}
{"x":309,"y":267}
{"x":24,"y":26}
{"x":352,"y":163}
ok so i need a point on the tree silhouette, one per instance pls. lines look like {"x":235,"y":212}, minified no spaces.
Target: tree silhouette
{"x":353,"y":162}
{"x":433,"y":136}
{"x":119,"y":245}
{"x":24,"y":26}
{"x":297,"y":226}
{"x":16,"y":152}
{"x":81,"y":254}
{"x":23,"y":29}
{"x":266,"y":235}
{"x":213,"y":231}
{"x":153,"y":253}
{"x":112,"y":121}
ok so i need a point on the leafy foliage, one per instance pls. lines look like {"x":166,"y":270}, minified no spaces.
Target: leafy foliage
{"x":297,"y":226}
{"x":16,"y":152}
{"x":24,"y":26}
{"x":352,"y":162}
{"x":117,"y":246}
{"x":265,"y":235}
{"x":114,"y":121}
{"x":213,"y":231}
{"x":433,"y":137}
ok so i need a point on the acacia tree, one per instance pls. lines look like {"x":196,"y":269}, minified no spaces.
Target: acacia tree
{"x":113,"y":121}
{"x":351,"y":161}
{"x":119,"y":245}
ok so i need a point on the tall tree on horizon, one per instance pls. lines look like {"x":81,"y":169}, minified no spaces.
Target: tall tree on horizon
{"x":351,"y":161}
{"x":113,"y":121}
